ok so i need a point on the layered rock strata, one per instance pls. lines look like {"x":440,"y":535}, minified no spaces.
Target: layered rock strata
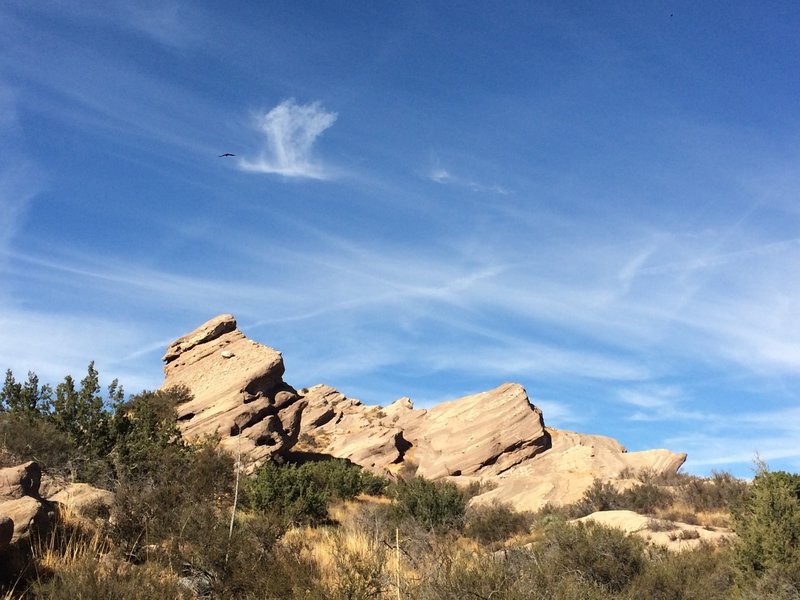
{"x":496,"y":437}
{"x":238,"y":392}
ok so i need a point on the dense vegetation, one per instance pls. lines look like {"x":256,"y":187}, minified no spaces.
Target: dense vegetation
{"x":327,"y":529}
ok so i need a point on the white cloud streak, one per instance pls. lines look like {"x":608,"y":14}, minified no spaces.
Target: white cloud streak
{"x":444,"y":177}
{"x":291,"y":130}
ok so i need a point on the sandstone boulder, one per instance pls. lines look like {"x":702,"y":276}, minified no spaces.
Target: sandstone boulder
{"x":22,"y":509}
{"x":238,"y":392}
{"x":84,"y":499}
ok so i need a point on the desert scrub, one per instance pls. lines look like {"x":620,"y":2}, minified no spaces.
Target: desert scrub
{"x":494,"y":523}
{"x":768,"y":525}
{"x":302,"y":492}
{"x":436,"y":505}
{"x":604,"y":556}
{"x":704,"y":573}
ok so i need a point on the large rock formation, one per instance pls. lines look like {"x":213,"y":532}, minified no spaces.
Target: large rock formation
{"x":379,"y":438}
{"x":238,"y":390}
{"x":496,"y":437}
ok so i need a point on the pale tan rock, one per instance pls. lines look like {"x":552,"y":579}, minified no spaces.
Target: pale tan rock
{"x":672,"y":535}
{"x":84,"y":499}
{"x":485,"y":433}
{"x":238,"y":393}
{"x":21,"y":507}
{"x":563,"y":473}
{"x":343,"y":427}
{"x":496,"y":436}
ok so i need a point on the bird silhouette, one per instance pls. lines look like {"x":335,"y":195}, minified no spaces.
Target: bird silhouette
{"x":226,"y":154}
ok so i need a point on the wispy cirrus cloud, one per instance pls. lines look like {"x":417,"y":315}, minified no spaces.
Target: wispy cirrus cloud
{"x":291,"y":130}
{"x":444,"y":176}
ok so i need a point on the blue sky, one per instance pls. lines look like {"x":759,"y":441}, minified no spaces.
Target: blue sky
{"x":596,"y":200}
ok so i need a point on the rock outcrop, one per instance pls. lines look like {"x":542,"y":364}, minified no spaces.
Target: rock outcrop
{"x":496,"y":437}
{"x":238,"y":390}
{"x":379,"y":438}
{"x":23,"y":511}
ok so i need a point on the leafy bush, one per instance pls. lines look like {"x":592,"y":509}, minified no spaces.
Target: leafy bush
{"x":146,"y":429}
{"x":182,"y":495}
{"x":302,"y":492}
{"x":289,"y":490}
{"x":768,"y":526}
{"x":645,"y":498}
{"x":344,"y":480}
{"x":493,"y":523}
{"x":721,"y":491}
{"x":436,"y":505}
{"x":602,"y":555}
{"x":701,"y":574}
{"x":601,"y":495}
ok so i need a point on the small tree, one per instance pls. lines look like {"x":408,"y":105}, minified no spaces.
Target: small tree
{"x":289,"y":490}
{"x":25,"y":399}
{"x":83,"y":414}
{"x":768,"y":526}
{"x":437,"y":505}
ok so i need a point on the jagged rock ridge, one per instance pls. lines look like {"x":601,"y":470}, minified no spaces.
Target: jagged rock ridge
{"x":239,"y":395}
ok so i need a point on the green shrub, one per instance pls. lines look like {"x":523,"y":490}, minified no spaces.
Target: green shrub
{"x":722,"y":491}
{"x":287,"y":489}
{"x":493,"y":523}
{"x":600,"y":496}
{"x":302,"y":492}
{"x":604,"y":556}
{"x":768,"y":526}
{"x":344,"y":480}
{"x":702,"y":574}
{"x":146,"y":428}
{"x":436,"y":505}
{"x":645,"y":498}
{"x":190,"y":486}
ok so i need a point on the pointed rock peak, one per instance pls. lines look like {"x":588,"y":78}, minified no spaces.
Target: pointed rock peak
{"x":208,"y":331}
{"x":400,"y":405}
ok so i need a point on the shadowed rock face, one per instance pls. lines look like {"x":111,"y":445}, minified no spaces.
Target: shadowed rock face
{"x":496,"y":436}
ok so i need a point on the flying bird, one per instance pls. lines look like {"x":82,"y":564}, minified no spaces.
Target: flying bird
{"x":226,"y":154}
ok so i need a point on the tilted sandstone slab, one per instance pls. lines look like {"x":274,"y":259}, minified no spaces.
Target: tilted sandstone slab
{"x":237,"y":388}
{"x":568,"y":468}
{"x":378,"y":438}
{"x":483,"y":434}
